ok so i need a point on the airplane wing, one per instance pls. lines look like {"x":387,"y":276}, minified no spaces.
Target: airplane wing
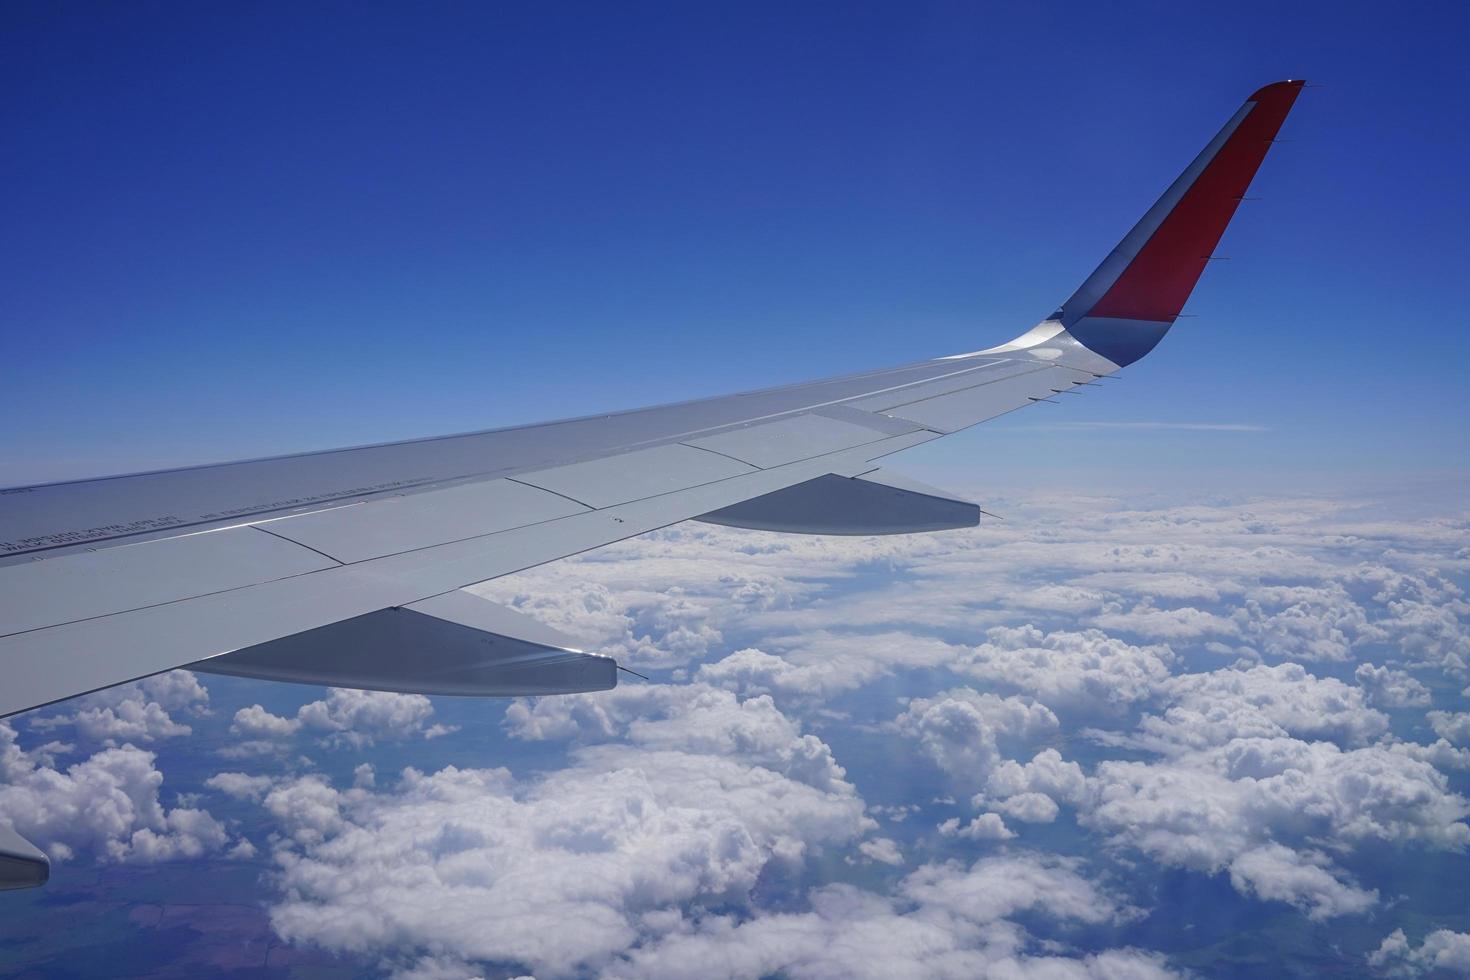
{"x":348,"y":567}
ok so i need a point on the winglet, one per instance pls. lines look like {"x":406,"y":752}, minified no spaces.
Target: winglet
{"x":1127,"y":305}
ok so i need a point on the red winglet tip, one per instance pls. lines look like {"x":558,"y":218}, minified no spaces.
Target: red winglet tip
{"x":1276,"y":87}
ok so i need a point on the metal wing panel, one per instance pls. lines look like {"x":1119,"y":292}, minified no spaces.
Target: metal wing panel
{"x":71,"y":587}
{"x":958,"y":381}
{"x":632,"y":476}
{"x":768,"y":444}
{"x":375,"y":528}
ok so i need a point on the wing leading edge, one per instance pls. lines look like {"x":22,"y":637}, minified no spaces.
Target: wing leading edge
{"x":319,"y":567}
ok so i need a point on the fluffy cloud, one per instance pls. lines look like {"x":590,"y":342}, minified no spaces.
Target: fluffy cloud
{"x":1441,"y":950}
{"x":1260,"y":702}
{"x":961,"y":730}
{"x":106,"y":804}
{"x":674,"y":795}
{"x":1440,"y":754}
{"x":884,"y":850}
{"x":822,"y":664}
{"x":1391,"y":688}
{"x":944,"y":920}
{"x":1454,"y":726}
{"x":344,"y":718}
{"x":689,"y":718}
{"x":1032,"y":792}
{"x":987,"y":826}
{"x":1276,"y":872}
{"x":239,"y":785}
{"x":1085,"y":671}
{"x":134,"y":712}
{"x":1226,"y":807}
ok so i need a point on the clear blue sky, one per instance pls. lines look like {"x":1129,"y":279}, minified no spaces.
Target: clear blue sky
{"x":242,"y":229}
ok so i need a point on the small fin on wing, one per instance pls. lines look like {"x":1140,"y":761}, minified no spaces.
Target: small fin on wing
{"x":455,"y":643}
{"x":1127,"y":305}
{"x":873,"y":503}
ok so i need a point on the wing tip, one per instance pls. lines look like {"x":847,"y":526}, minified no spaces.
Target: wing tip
{"x":1283,"y":87}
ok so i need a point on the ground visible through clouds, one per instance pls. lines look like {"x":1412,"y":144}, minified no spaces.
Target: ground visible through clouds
{"x":1111,"y":736}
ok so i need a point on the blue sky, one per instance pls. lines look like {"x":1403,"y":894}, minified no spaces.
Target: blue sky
{"x":236,"y":231}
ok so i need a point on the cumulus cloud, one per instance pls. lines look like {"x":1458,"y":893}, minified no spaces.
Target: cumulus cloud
{"x":944,"y":920}
{"x":240,"y":785}
{"x":1274,"y":871}
{"x":135,"y":712}
{"x":961,"y":730}
{"x":1086,"y":671}
{"x":987,"y":826}
{"x":1451,"y":725}
{"x":884,"y":850}
{"x":480,"y":865}
{"x":1218,"y":808}
{"x":1391,"y":688}
{"x":1441,"y":949}
{"x":1211,"y":708}
{"x":106,"y":804}
{"x":823,"y":664}
{"x":1440,"y":753}
{"x":344,"y":718}
{"x":1032,"y":792}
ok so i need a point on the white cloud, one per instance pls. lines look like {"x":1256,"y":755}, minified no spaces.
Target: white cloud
{"x":823,"y":663}
{"x":960,"y":730}
{"x":1211,"y":708}
{"x":1029,"y":807}
{"x":1209,"y":809}
{"x":944,"y":921}
{"x":1454,"y":726}
{"x":1440,"y":754}
{"x":987,"y":826}
{"x":1086,"y":671}
{"x":1391,"y":688}
{"x":106,"y":804}
{"x":1441,"y":949}
{"x":240,"y":785}
{"x":1276,"y":872}
{"x":474,"y":863}
{"x":135,"y":712}
{"x":884,"y":850}
{"x":699,"y":793}
{"x":345,"y":717}
{"x":1032,"y":792}
{"x":256,"y":722}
